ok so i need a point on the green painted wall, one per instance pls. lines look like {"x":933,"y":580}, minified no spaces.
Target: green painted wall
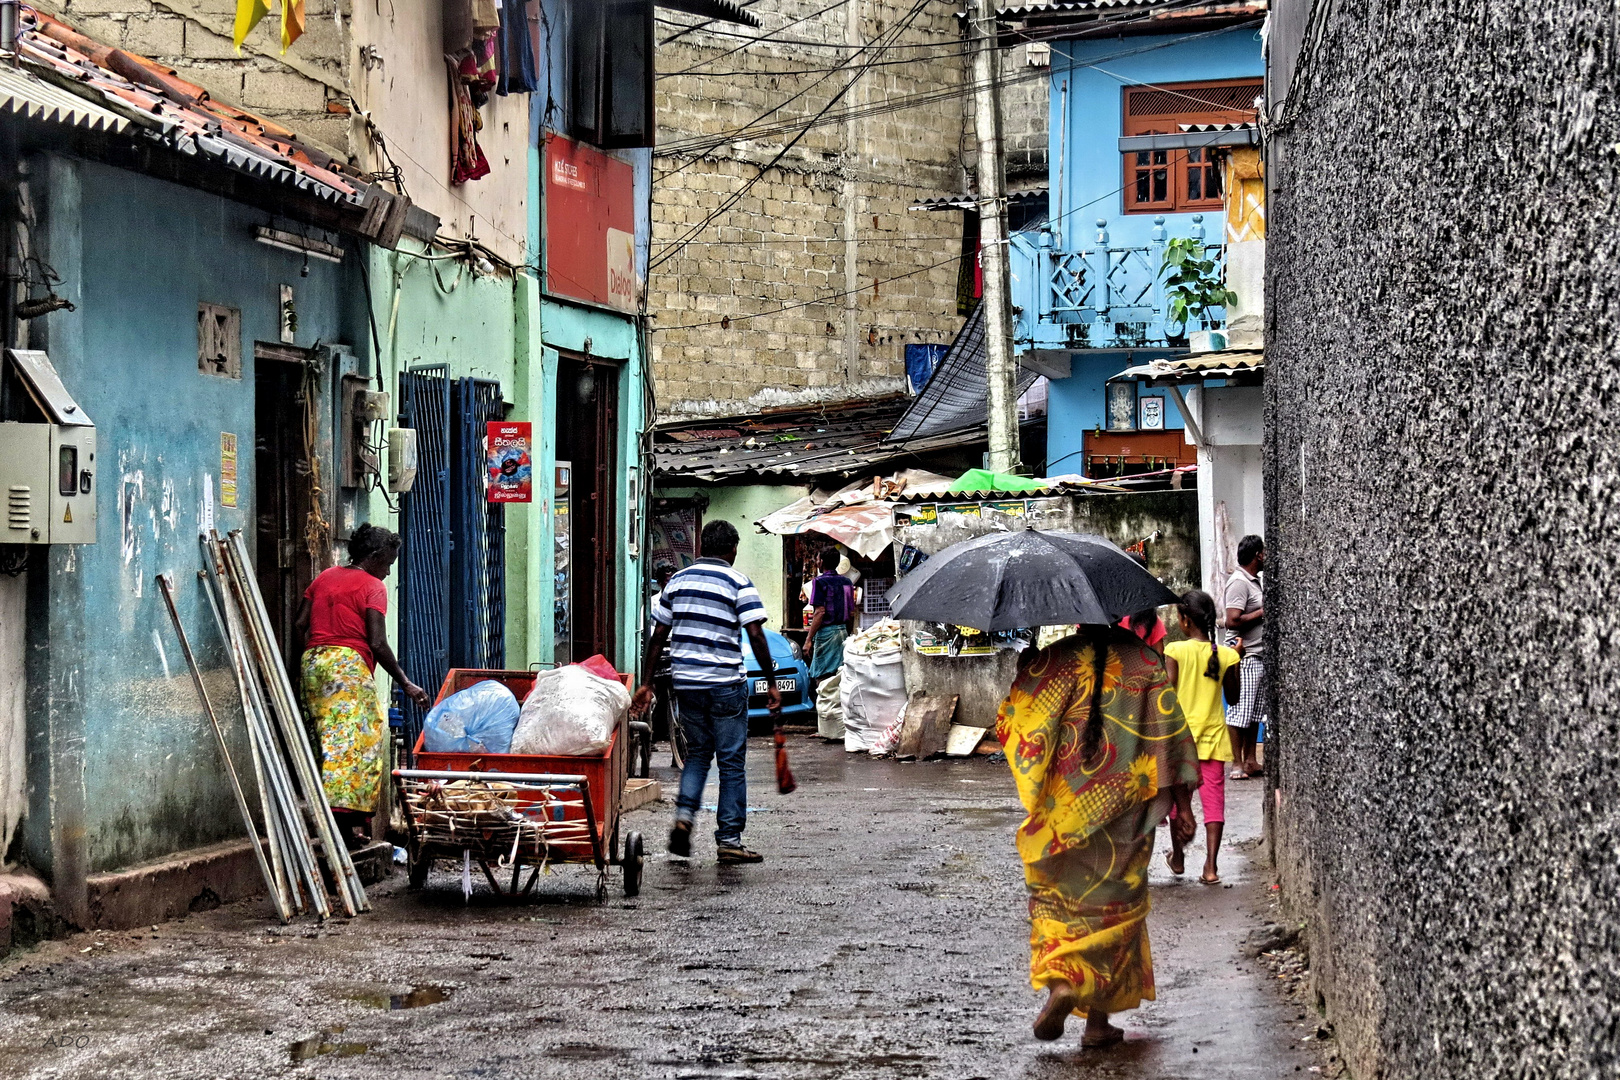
{"x":438,"y":311}
{"x":759,"y":555}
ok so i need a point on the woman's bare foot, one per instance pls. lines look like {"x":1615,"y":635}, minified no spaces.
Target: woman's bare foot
{"x":1177,"y":861}
{"x":1099,"y":1032}
{"x":1061,"y":1000}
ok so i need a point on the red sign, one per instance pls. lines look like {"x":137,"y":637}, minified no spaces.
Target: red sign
{"x":590,"y":225}
{"x":508,"y":454}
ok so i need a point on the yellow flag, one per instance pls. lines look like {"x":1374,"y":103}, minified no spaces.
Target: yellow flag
{"x":248,"y":14}
{"x":292,"y":22}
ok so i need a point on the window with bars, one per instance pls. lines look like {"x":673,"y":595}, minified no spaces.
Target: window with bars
{"x":1161,"y":181}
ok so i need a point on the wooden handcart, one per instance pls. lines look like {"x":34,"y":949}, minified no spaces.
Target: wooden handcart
{"x":507,"y":812}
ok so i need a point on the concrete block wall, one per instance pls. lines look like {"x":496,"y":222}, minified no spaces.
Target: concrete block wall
{"x":1442,"y":481}
{"x":1025,"y":115}
{"x":303,"y":90}
{"x":820,"y":227}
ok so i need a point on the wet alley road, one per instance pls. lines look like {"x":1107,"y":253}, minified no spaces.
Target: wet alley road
{"x":883,"y":937}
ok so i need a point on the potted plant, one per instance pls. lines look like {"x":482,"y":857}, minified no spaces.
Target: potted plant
{"x":1193,"y":287}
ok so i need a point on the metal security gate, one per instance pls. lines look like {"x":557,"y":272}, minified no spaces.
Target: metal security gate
{"x":452,"y":587}
{"x":424,"y":562}
{"x":478,"y":557}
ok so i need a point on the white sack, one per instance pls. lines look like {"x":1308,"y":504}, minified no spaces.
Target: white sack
{"x":570,"y":712}
{"x":872,"y":690}
{"x":829,"y":710}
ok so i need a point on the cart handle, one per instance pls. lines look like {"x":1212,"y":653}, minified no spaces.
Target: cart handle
{"x":500,"y":777}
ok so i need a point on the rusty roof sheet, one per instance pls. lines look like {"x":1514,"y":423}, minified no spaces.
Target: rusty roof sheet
{"x":832,"y":438}
{"x":179,"y":113}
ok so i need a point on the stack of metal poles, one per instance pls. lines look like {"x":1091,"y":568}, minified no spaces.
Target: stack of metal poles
{"x":301,"y":833}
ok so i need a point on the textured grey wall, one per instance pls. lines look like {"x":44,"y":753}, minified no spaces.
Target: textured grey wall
{"x":1444,"y":504}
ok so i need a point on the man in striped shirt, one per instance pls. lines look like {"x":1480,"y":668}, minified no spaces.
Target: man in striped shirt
{"x":702,"y":615}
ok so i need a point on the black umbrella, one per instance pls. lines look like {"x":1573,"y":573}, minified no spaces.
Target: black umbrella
{"x":1028,"y":578}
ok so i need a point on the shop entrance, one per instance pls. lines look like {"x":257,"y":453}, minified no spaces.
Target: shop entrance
{"x":587,"y":507}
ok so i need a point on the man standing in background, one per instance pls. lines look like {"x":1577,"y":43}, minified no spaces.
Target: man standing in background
{"x":1245,"y":619}
{"x":702,"y":614}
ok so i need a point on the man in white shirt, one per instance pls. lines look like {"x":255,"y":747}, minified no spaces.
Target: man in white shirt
{"x":1245,"y":619}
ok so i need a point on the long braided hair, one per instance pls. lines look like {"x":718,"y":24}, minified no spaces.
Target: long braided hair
{"x":1091,"y":737}
{"x":1199,"y":608}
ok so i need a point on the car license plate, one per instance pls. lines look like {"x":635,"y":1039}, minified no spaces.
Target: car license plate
{"x":783,"y":685}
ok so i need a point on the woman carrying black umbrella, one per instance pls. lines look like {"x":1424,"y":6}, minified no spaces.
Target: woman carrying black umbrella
{"x":1098,"y":746}
{"x":1100,"y":751}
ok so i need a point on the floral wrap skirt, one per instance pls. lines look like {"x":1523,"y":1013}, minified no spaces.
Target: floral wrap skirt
{"x":340,"y":693}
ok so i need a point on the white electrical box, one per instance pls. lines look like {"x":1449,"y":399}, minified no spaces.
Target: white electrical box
{"x":401,"y":459}
{"x":48,"y":470}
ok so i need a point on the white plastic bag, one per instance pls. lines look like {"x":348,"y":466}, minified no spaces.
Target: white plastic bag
{"x":570,"y":712}
{"x":872,"y":690}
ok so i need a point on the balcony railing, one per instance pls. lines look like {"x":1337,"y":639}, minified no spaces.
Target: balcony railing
{"x":1108,"y":297}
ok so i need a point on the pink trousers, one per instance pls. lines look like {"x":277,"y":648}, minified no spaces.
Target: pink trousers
{"x":1211,"y":791}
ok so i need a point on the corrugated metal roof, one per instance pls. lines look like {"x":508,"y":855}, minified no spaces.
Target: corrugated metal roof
{"x":968,"y":202}
{"x":721,"y":10}
{"x":28,"y":95}
{"x":839,"y":438}
{"x":155,"y":100}
{"x":954,"y":398}
{"x":1090,"y":18}
{"x":1197,"y":366}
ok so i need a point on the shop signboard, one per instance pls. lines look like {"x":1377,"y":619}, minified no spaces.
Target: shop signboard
{"x":590,"y":225}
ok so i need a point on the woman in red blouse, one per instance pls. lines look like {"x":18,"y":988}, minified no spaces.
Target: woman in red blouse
{"x":341,"y":622}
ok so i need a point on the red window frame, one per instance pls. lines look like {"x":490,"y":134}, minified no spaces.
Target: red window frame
{"x":1168,"y":181}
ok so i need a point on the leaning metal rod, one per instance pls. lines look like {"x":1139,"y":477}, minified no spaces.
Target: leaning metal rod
{"x":281,"y":784}
{"x":290,"y":721}
{"x":292,"y":815}
{"x":285,"y":802}
{"x":295,"y":844}
{"x":224,"y":751}
{"x":257,"y":615}
{"x":279,"y":843}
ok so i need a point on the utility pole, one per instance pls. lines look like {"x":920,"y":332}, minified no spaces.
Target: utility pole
{"x":1001,"y":372}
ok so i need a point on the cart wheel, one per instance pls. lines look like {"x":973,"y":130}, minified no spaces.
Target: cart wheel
{"x":633,"y":860}
{"x":420,"y":866}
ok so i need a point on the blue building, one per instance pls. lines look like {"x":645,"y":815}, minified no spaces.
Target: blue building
{"x":1148,"y":113}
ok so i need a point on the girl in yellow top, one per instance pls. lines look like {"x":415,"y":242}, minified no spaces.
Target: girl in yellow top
{"x":1201,"y":673}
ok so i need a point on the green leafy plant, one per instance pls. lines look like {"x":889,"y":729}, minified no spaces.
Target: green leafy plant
{"x":1194,"y":283}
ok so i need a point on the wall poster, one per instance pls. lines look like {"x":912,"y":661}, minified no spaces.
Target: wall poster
{"x":508,"y":454}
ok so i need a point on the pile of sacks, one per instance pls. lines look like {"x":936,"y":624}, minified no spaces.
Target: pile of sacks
{"x":571,"y":712}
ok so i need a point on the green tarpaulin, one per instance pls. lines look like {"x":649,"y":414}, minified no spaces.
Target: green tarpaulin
{"x":985,"y":480}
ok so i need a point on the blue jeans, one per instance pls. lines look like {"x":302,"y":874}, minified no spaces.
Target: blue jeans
{"x":716,"y":725}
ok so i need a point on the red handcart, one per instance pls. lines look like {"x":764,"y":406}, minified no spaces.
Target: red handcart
{"x":506,"y":812}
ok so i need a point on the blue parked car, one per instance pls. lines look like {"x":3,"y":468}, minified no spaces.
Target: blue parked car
{"x":792,"y":681}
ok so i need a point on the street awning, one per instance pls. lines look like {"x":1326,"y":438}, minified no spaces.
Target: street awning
{"x":855,"y":516}
{"x":30,"y":96}
{"x":1196,"y":367}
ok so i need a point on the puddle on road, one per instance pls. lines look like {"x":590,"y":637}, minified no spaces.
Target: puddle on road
{"x":417,"y":997}
{"x":304,"y":1049}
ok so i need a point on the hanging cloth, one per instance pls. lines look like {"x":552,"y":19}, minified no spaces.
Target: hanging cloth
{"x":467,"y":161}
{"x":517,"y":68}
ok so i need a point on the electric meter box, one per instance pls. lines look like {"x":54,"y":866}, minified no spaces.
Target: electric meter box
{"x":401,"y":459}
{"x":48,"y":471}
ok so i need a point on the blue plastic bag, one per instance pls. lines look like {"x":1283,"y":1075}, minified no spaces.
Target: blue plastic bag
{"x":477,"y":720}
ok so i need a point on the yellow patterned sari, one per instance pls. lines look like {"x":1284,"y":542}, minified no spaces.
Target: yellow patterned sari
{"x":340,"y":694}
{"x":1088,"y":836}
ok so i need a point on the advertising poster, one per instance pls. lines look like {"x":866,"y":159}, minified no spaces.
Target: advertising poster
{"x":227,"y":469}
{"x":508,"y":453}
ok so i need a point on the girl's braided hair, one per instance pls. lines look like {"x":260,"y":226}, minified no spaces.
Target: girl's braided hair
{"x":1199,"y":608}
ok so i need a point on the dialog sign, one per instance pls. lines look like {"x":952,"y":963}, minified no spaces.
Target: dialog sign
{"x":509,"y":458}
